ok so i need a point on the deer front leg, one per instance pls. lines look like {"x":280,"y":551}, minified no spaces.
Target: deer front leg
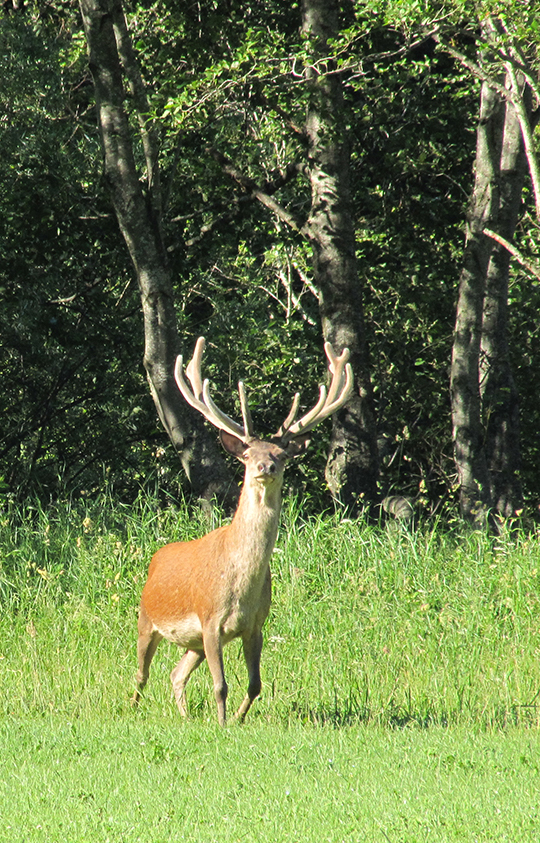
{"x":180,"y":675}
{"x":213,"y":651}
{"x":146,"y":647}
{"x":252,"y":646}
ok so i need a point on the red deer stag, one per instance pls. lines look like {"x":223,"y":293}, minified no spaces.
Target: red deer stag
{"x":203,"y":593}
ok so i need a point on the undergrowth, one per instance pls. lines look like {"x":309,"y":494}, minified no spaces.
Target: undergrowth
{"x":369,"y":624}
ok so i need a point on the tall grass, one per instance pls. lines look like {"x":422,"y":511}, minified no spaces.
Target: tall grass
{"x":368,"y":624}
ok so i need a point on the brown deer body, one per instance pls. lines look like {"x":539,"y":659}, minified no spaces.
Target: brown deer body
{"x":203,"y":593}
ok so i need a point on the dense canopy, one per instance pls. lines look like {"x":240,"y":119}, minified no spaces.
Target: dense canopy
{"x":300,"y":172}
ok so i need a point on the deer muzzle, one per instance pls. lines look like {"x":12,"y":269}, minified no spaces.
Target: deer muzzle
{"x":266,"y":472}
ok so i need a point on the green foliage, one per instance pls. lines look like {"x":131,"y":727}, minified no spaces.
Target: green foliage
{"x":75,"y":406}
{"x":69,"y":316}
{"x":412,"y":166}
{"x":405,"y":115}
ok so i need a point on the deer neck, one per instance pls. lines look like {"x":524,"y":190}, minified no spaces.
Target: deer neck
{"x":254,"y":528}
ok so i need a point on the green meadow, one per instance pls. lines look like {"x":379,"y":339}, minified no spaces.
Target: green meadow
{"x":401,"y":688}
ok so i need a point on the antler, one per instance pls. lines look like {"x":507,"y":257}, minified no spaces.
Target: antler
{"x":329,"y":402}
{"x":338,"y":394}
{"x":200,"y":399}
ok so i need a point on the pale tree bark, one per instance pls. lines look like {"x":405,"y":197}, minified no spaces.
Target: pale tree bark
{"x":485,"y":402}
{"x":498,"y":391}
{"x":470,"y":457}
{"x":138,"y":211}
{"x":352,"y":466}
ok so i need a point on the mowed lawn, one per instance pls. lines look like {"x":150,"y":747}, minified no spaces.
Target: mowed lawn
{"x":401,"y":697}
{"x":155,"y":780}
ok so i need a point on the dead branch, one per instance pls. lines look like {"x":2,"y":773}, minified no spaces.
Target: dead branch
{"x":534,"y":269}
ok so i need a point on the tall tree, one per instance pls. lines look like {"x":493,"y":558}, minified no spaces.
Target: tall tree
{"x":485,"y":406}
{"x":323,"y":158}
{"x":468,"y":431}
{"x":65,"y":363}
{"x":498,"y":390}
{"x":138,"y":206}
{"x":352,"y":466}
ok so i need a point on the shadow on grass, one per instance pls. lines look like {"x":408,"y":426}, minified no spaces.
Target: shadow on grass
{"x":403,"y":717}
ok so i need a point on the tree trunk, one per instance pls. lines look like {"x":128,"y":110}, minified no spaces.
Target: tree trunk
{"x":498,"y":391}
{"x":468,"y":434}
{"x":352,"y":466}
{"x":484,"y":397}
{"x":138,"y":216}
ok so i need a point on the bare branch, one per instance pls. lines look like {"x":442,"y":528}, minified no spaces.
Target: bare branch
{"x":297,"y":304}
{"x":149,"y":135}
{"x":263,"y":195}
{"x":526,"y":133}
{"x":534,"y":269}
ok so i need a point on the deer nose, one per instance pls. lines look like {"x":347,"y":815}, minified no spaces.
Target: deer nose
{"x":266,"y":468}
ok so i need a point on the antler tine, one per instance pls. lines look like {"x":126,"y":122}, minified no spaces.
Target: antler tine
{"x":218,"y":417}
{"x":200,"y":399}
{"x":336,"y":366}
{"x":338,"y":394}
{"x":193,"y":369}
{"x":344,"y":394}
{"x":190,"y":397}
{"x":293,"y":412}
{"x":310,"y":417}
{"x":246,"y":412}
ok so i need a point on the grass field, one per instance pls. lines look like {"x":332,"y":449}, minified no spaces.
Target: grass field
{"x":153,"y":780}
{"x":401,"y":696}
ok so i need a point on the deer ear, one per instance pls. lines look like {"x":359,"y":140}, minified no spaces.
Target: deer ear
{"x":298,"y":445}
{"x":232,"y":444}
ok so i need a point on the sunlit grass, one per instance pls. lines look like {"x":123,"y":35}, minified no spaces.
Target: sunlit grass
{"x":368,"y":625}
{"x":137,"y":779}
{"x":401,"y":688}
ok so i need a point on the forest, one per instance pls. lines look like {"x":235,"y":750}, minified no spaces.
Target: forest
{"x":272,"y":175}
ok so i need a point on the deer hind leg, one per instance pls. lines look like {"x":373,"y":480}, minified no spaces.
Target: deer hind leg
{"x":146,"y":648}
{"x":252,"y":653}
{"x":213,"y":651}
{"x":180,"y":675}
